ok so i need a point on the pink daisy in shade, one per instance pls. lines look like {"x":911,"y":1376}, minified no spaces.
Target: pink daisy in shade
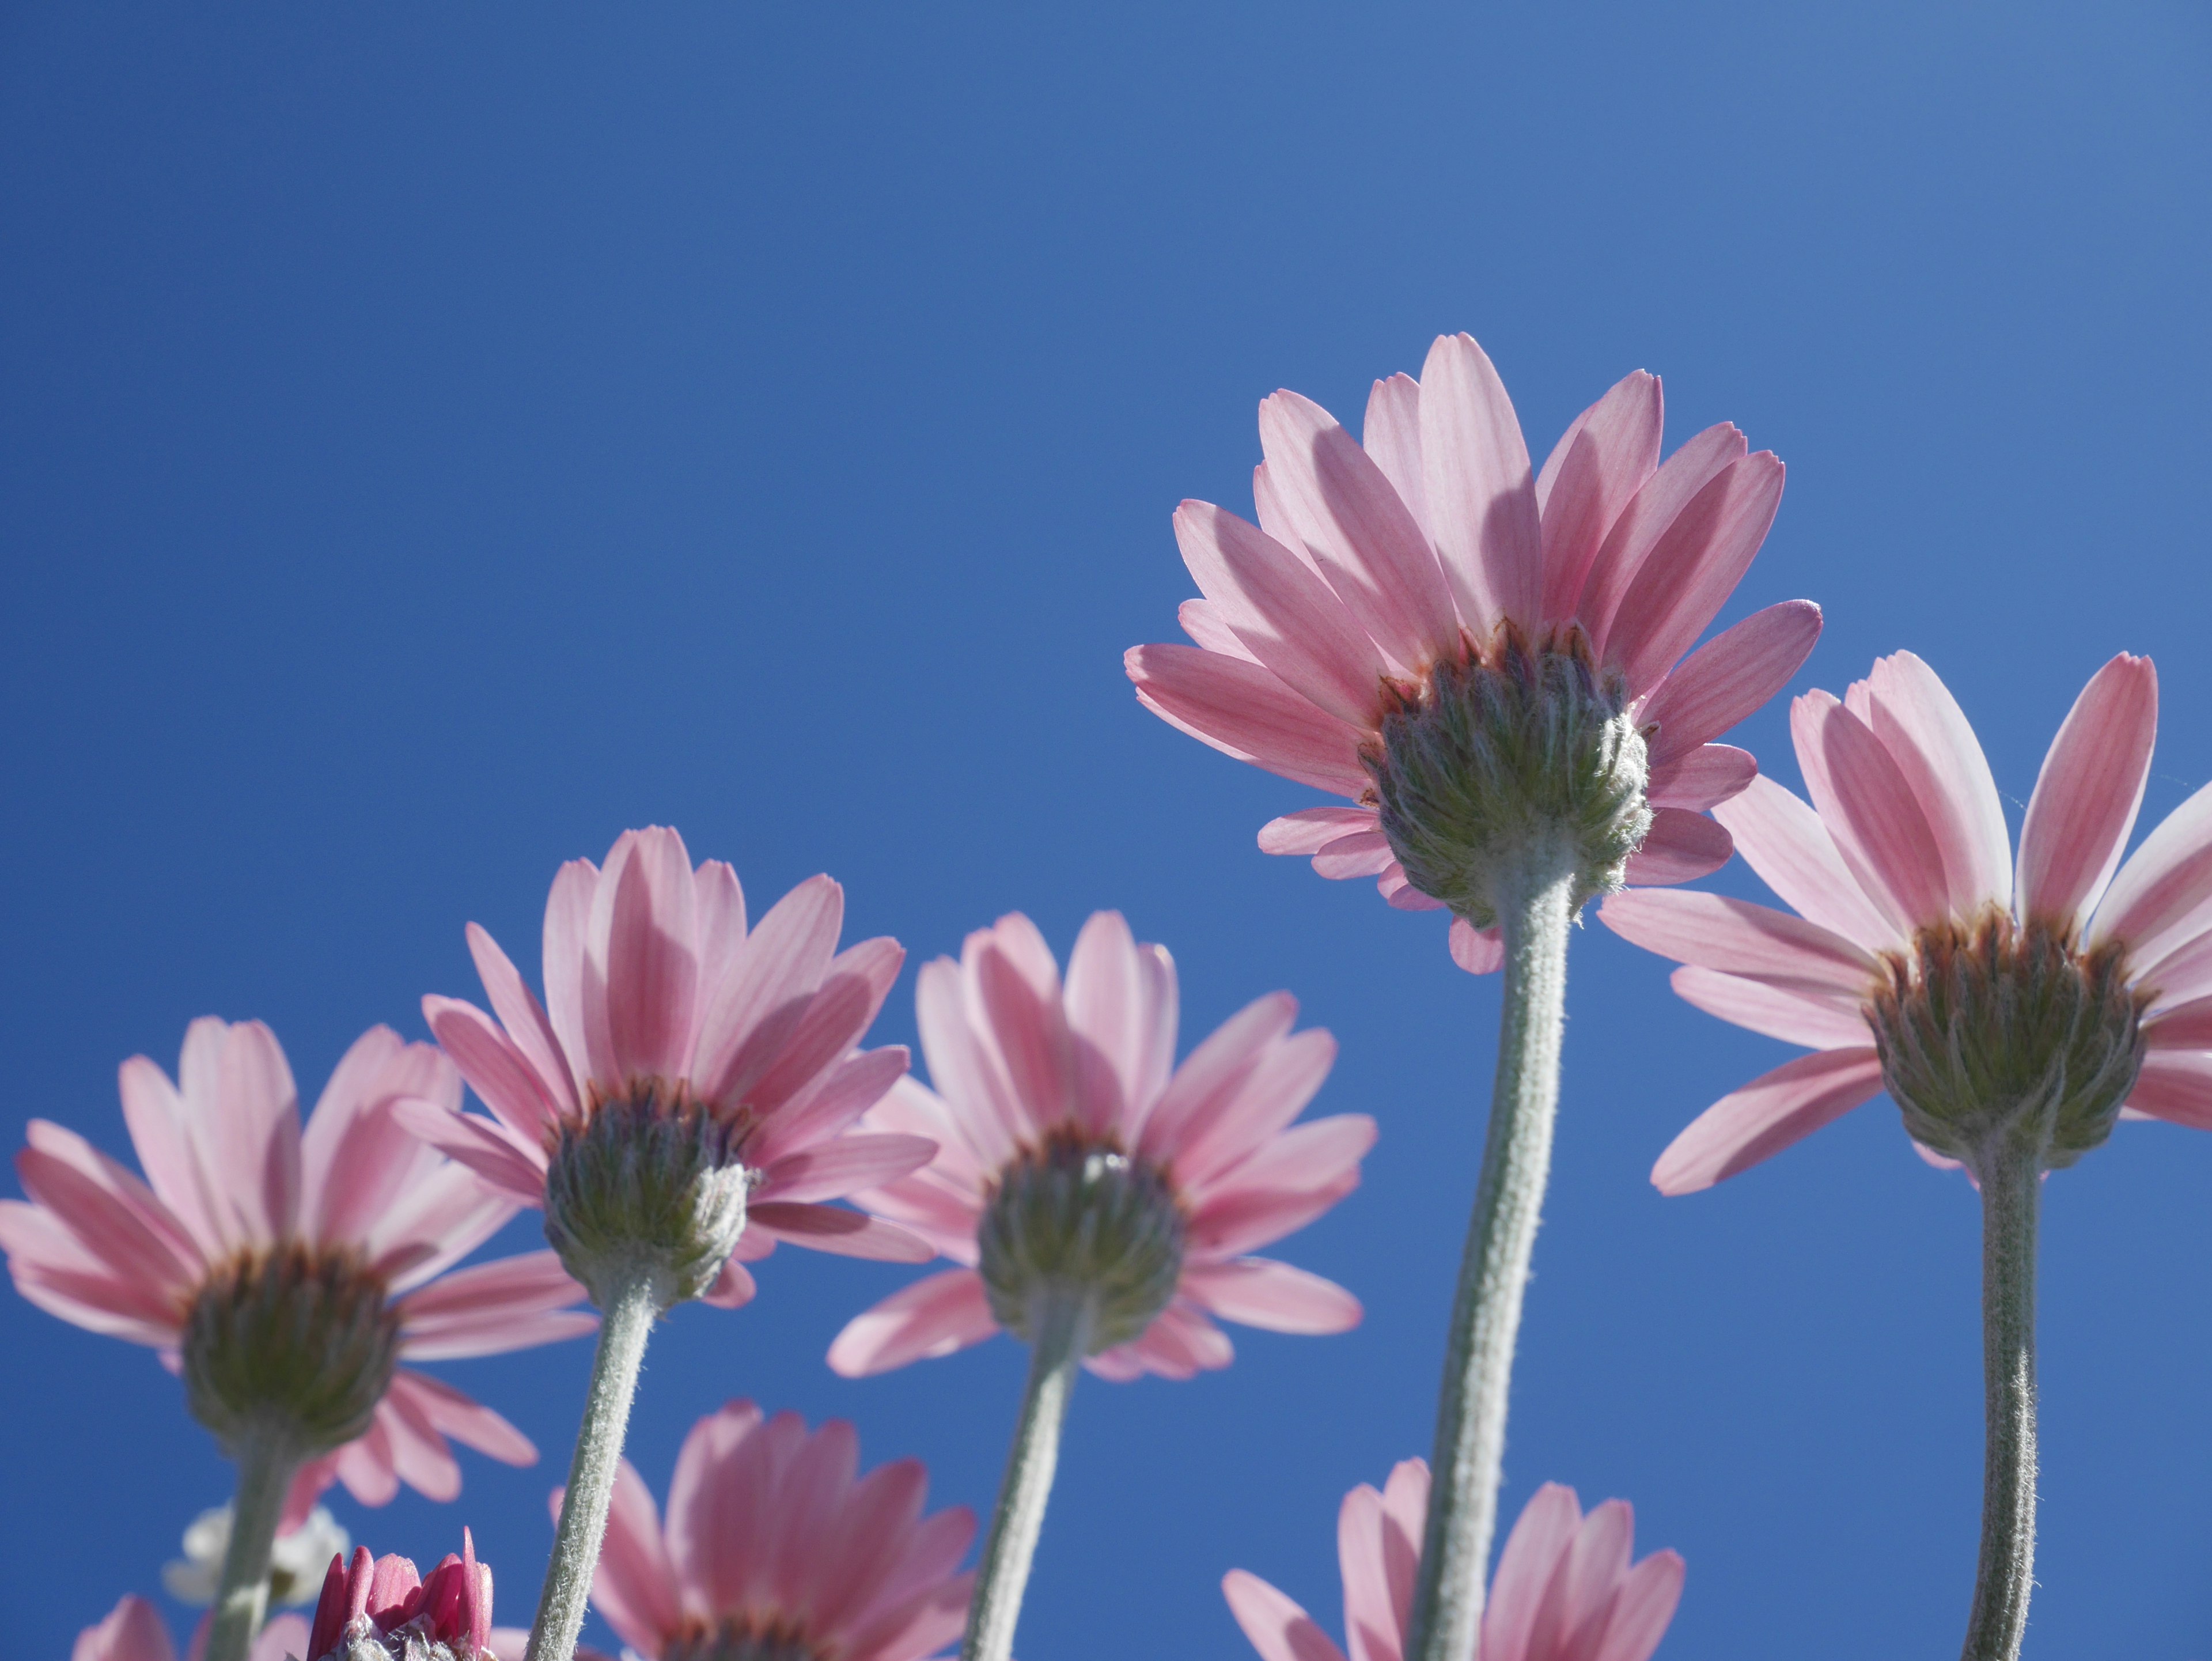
{"x":775,"y":1548}
{"x":288,"y":1272}
{"x":1074,"y":1155}
{"x":374,"y":1607}
{"x":1565,"y":1591}
{"x":1473,"y":651}
{"x":133,"y":1632}
{"x":1923,"y":959}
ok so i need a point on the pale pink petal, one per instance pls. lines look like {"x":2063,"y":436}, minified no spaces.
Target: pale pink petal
{"x":488,"y":1149}
{"x":113,"y":1308}
{"x":286,"y":1635}
{"x":991,"y":1120}
{"x":2175,"y":1086}
{"x":634,"y":1584}
{"x":1203,"y":622}
{"x":1242,"y":1219}
{"x":1259,"y":1292}
{"x":2087,"y":795}
{"x":1590,"y":477}
{"x":419,"y":1457}
{"x":1648,"y":515}
{"x":125,"y":1238}
{"x":495,"y":1068}
{"x":1278,"y":1628}
{"x":721,"y":902}
{"x":1782,"y":839}
{"x":1288,"y":1074}
{"x":852,"y":991}
{"x":1365,"y":539}
{"x":1693,"y":568}
{"x":1767,"y":1116}
{"x":258,"y":1133}
{"x":1113,"y":1016}
{"x":1867,"y":806}
{"x":346,"y":1099}
{"x":467,"y":1422}
{"x":1028,"y":1027}
{"x":934,"y":1317}
{"x":1363,"y":853}
{"x":1478,"y":951}
{"x":1541,"y":1540}
{"x":835,"y":1100}
{"x":1391,"y":434}
{"x":577,"y":1012}
{"x":1681,"y":847}
{"x":832,"y":1170}
{"x":1405,"y":1513}
{"x":365,"y":1466}
{"x":488,"y":1309}
{"x":1207,"y":1079}
{"x":1572,"y":1619}
{"x":1825,"y":1025}
{"x":443,"y":1217}
{"x":2182,"y":1026}
{"x":167,"y":1152}
{"x":1928,"y":735}
{"x":1701,"y":779}
{"x":733,"y":1288}
{"x":1481,"y":491}
{"x":1642,"y":1607}
{"x":847,"y":1233}
{"x":132,"y":1631}
{"x":1729,"y":677}
{"x":1242,"y":710}
{"x":1370,"y":1624}
{"x":2181,"y":970}
{"x":1402,"y":896}
{"x":767,"y":990}
{"x":2158,"y":904}
{"x":1739,"y":938}
{"x":1286,"y":617}
{"x":528,"y":1027}
{"x":645,"y":938}
{"x":1181,"y":1343}
{"x":1312,"y":828}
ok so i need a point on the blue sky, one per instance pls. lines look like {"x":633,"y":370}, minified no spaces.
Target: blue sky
{"x":435,"y":439}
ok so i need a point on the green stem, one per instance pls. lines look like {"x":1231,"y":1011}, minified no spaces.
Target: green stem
{"x":631,"y":1301}
{"x":1536,"y":906}
{"x":1061,"y":1330}
{"x":2012,"y":1198}
{"x":266,"y":1465}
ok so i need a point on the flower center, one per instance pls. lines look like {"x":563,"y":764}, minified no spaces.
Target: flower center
{"x":1079,"y":1218}
{"x":652,"y":1180}
{"x":1492,"y":758}
{"x":298,"y":1342}
{"x":1994,"y":1027}
{"x":738,"y":1639}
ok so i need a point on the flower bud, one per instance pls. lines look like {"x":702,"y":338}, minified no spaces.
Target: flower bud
{"x":380,"y":1609}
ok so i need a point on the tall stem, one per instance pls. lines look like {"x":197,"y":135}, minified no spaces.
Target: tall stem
{"x":266,"y":1465}
{"x":2012,"y":1198}
{"x":1535,"y":907}
{"x":631,"y":1301}
{"x":1063,"y":1329}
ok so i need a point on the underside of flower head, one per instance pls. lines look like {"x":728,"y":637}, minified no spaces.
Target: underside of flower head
{"x":1396,"y":574}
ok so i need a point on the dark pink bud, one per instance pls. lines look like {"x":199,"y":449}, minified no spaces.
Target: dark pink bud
{"x":330,"y":1611}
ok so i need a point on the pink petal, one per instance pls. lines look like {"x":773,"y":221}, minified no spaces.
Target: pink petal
{"x":2175,"y":1086}
{"x":1207,"y":1082}
{"x":1285,"y":615}
{"x":1312,"y":828}
{"x":1478,"y":951}
{"x":1693,"y":568}
{"x":1203,"y":622}
{"x":1316,"y":1155}
{"x":988,"y":1118}
{"x":733,"y":1288}
{"x":568,"y":931}
{"x":946,"y":1311}
{"x":1681,"y":847}
{"x":127,"y":1239}
{"x":1596,"y":469}
{"x":1582,"y":1591}
{"x":1028,"y":1029}
{"x":1120,"y":1010}
{"x":1278,"y":1628}
{"x":494,"y":1067}
{"x":852,"y":991}
{"x":528,"y":1027}
{"x":1405,"y":1513}
{"x":1289,"y":1074}
{"x":832,"y":1170}
{"x":492,"y":1153}
{"x":1783,"y":840}
{"x":1371,"y":1623}
{"x":1391,"y":434}
{"x":1730,"y":677}
{"x":1867,"y":806}
{"x":2088,"y":793}
{"x":847,"y":1233}
{"x":645,"y":937}
{"x":2157,"y":902}
{"x":767,"y":990}
{"x":1703,"y":778}
{"x":1541,"y":1538}
{"x":1367,"y":544}
{"x":2183,"y":1026}
{"x":132,"y":1631}
{"x":357,"y":1159}
{"x":467,"y":1422}
{"x":1180,"y":1343}
{"x":1928,"y":735}
{"x":1400,"y":894}
{"x":1481,"y":491}
{"x":1767,"y":1116}
{"x":419,"y":1457}
{"x":1242,"y":710}
{"x":721,"y":903}
{"x":489,"y":1308}
{"x":1642,"y":1608}
{"x":1739,"y":938}
{"x":1363,"y":853}
{"x":167,"y":1152}
{"x":834,"y":1101}
{"x":258,"y":1133}
{"x":1768,"y":1009}
{"x":1259,"y":1292}
{"x":1648,"y":516}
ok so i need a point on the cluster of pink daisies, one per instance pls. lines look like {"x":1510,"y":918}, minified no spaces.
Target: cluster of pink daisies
{"x":1384,"y":576}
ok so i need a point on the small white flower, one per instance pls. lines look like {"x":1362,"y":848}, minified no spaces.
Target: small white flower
{"x":295,"y":1566}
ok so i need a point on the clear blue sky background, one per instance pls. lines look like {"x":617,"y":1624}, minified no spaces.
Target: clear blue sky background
{"x":436,"y":438}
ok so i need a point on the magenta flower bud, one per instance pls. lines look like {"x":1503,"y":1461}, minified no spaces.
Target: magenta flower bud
{"x":382,"y":1609}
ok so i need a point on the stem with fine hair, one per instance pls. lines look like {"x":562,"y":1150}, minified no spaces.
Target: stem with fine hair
{"x":631,"y":1300}
{"x":1062,"y":1323}
{"x":2011,"y":1177}
{"x":1535,"y":907}
{"x":266,"y":1465}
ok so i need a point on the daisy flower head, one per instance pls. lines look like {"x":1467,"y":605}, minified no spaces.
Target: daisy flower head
{"x":775,"y":1548}
{"x":687,"y":1089}
{"x":1565,"y":1589}
{"x":2002,"y":1003}
{"x":1078,"y":1165}
{"x":288,"y":1272}
{"x":1488,"y":660}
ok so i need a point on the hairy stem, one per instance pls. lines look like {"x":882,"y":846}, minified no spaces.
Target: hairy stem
{"x":631,"y":1302}
{"x":1535,"y":907}
{"x":2012,"y":1197}
{"x":266,"y":1465}
{"x":1061,"y":1324}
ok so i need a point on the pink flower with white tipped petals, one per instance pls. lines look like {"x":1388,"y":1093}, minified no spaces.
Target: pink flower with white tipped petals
{"x":662,"y":1004}
{"x":349,"y":1223}
{"x":773,"y":1549}
{"x":132,"y":1631}
{"x":1383,"y":578}
{"x":382,"y":1606}
{"x":1923,"y":959}
{"x":1037,"y":1084}
{"x":1565,"y":1591}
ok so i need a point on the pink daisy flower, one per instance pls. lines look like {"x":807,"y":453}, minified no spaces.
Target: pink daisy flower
{"x":1565,"y":1590}
{"x":1182,"y":1171}
{"x":772,"y":1548}
{"x":245,"y":1221}
{"x":133,"y":1632}
{"x":1922,"y":959}
{"x":661,"y":1006}
{"x":1337,"y":636}
{"x":384,"y":1605}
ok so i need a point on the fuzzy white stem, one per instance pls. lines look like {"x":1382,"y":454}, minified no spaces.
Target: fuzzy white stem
{"x":1536,"y":906}
{"x":266,"y":1465}
{"x":2012,"y":1197}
